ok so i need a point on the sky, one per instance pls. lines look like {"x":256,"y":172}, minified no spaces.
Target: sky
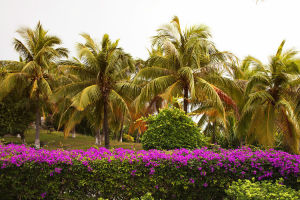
{"x":243,"y":27}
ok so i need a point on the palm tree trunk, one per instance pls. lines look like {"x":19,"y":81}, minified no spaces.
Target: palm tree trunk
{"x":121,"y":130}
{"x":22,"y":138}
{"x":105,"y":123}
{"x":213,"y":140}
{"x":138,"y":137}
{"x":73,"y":133}
{"x":185,"y":100}
{"x":98,"y":138}
{"x":37,"y":128}
{"x":101,"y":138}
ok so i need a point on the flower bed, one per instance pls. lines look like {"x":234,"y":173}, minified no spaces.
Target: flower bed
{"x":27,"y":173}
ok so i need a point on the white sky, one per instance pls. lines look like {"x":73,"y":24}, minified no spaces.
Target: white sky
{"x":243,"y":27}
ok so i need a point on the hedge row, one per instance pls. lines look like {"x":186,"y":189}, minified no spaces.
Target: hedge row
{"x":27,"y":173}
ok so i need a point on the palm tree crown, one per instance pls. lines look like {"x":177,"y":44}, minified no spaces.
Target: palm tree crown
{"x":180,"y":65}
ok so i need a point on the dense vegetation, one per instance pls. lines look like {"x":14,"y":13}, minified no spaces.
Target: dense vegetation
{"x":125,"y":174}
{"x":15,"y":116}
{"x":236,"y":102}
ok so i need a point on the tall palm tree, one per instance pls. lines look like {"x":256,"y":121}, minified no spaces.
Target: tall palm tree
{"x":38,"y":55}
{"x":269,"y":104}
{"x":179,"y":66}
{"x":101,"y":71}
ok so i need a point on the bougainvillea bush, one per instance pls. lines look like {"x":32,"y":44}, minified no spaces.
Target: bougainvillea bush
{"x":27,"y":173}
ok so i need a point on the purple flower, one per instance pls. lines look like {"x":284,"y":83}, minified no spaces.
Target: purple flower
{"x":133,"y":172}
{"x":258,"y":164}
{"x":57,"y":170}
{"x":192,"y":180}
{"x":205,"y":184}
{"x":152,"y":170}
{"x":43,"y":195}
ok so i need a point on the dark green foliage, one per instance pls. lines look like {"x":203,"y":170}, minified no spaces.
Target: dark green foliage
{"x":85,"y":128}
{"x":16,"y":114}
{"x":147,"y":196}
{"x":172,"y":129}
{"x":251,"y":190}
{"x":112,"y":180}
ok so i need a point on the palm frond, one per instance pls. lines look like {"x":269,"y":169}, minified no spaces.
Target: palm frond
{"x":88,"y":96}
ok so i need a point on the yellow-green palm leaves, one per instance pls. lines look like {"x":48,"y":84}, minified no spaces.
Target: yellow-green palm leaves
{"x":179,"y":65}
{"x":270,"y":101}
{"x":38,"y":54}
{"x":101,"y":71}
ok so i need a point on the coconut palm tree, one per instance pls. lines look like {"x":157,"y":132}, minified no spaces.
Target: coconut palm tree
{"x":269,"y":106}
{"x":101,"y":69}
{"x":180,"y":65}
{"x":38,"y":54}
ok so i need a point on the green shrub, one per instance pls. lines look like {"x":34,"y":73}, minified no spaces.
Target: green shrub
{"x":16,"y":114}
{"x":147,"y":196}
{"x":251,"y":190}
{"x":172,"y":129}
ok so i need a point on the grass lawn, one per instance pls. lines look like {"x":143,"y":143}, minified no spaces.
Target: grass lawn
{"x":55,"y":140}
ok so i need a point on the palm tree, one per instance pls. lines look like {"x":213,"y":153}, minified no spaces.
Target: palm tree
{"x":38,"y":55}
{"x":101,"y":74}
{"x":269,"y":106}
{"x":180,"y":65}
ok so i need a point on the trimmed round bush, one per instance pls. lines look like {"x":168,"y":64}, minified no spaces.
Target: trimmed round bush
{"x":172,"y":129}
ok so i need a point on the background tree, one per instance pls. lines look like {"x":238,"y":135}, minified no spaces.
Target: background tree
{"x":269,"y":106}
{"x":179,"y":66}
{"x":101,"y":78}
{"x":38,"y":55}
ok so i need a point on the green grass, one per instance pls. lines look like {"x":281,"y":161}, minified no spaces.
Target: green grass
{"x":56,"y":140}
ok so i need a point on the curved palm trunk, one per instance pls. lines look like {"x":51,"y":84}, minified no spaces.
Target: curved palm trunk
{"x":105,"y":123}
{"x":185,"y":100}
{"x":37,"y":143}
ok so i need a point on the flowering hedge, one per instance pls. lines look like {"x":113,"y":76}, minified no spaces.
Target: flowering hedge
{"x":27,"y":173}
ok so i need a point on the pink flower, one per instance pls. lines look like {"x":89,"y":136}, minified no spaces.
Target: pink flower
{"x":192,"y":180}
